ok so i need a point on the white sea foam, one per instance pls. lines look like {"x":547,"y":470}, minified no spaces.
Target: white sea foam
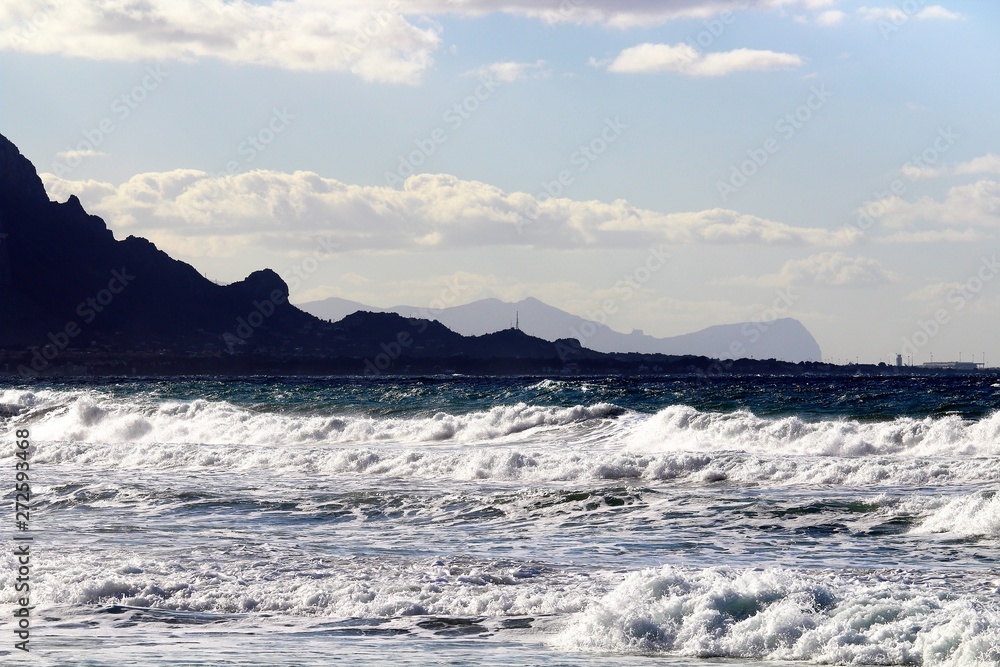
{"x":881,"y":618}
{"x":787,"y":615}
{"x":682,"y":428}
{"x":82,"y":416}
{"x":522,"y":463}
{"x":974,"y":515}
{"x":87,"y":417}
{"x":273,"y":580}
{"x":512,"y":442}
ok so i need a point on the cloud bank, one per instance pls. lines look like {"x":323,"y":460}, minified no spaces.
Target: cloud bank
{"x":362,"y":38}
{"x":391,"y":42}
{"x":295,"y":210}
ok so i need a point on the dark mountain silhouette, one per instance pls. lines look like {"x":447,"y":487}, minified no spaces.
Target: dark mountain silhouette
{"x":70,"y":290}
{"x":61,"y":267}
{"x":76,"y":301}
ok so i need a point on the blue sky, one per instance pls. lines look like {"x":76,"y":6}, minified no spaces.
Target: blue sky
{"x":423,"y":151}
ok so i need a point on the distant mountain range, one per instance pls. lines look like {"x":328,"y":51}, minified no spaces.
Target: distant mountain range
{"x":784,"y":339}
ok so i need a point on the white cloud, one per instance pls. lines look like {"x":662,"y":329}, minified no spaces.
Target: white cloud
{"x":182,"y":209}
{"x":509,"y":72}
{"x":985,"y":164}
{"x":938,"y":12}
{"x":915,"y":173}
{"x":827,"y":269}
{"x":831,"y":18}
{"x":934,"y":236}
{"x":831,"y":269}
{"x":72,"y":155}
{"x":899,"y":16}
{"x":394,"y":43}
{"x":684,"y":59}
{"x":882,"y":14}
{"x":971,"y":206}
{"x":933,"y":292}
{"x":349,"y":36}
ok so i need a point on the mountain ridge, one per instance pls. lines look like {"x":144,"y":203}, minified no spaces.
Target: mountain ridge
{"x":785,"y":339}
{"x":76,"y":301}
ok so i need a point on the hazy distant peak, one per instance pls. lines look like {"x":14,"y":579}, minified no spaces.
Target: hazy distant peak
{"x":784,"y":339}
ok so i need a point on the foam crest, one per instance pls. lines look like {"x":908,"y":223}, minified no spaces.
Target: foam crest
{"x":87,"y":417}
{"x":786,"y":615}
{"x":518,"y":442}
{"x":975,"y":515}
{"x":528,"y":462}
{"x":682,"y":428}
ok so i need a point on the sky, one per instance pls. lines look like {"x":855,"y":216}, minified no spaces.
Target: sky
{"x":663,"y":166}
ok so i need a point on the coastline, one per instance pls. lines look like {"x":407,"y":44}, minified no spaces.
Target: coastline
{"x":18,"y":364}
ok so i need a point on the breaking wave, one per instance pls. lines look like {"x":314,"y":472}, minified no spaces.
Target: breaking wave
{"x":780,"y":614}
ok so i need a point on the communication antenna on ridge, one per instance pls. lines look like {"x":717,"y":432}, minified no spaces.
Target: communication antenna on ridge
{"x":517,"y":320}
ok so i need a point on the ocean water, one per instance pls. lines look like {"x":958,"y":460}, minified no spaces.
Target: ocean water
{"x":515,"y":521}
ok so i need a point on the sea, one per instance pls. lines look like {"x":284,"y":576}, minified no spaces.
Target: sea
{"x":684,"y":520}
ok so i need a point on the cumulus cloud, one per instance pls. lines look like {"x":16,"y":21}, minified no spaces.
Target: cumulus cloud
{"x":985,"y":164}
{"x":353,"y":36}
{"x":831,"y":17}
{"x":82,"y":154}
{"x":919,"y":173}
{"x":830,"y":269}
{"x":392,"y":43}
{"x":294,"y":211}
{"x":938,"y":12}
{"x":882,"y":14}
{"x":827,"y":269}
{"x":969,"y":206}
{"x":509,"y":72}
{"x":685,"y":59}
